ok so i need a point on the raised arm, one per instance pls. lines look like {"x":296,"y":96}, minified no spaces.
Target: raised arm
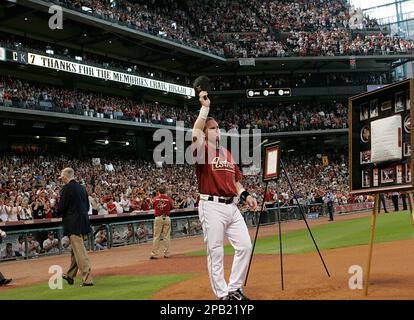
{"x":197,"y":134}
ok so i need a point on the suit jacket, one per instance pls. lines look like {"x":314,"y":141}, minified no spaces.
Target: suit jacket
{"x":74,"y":207}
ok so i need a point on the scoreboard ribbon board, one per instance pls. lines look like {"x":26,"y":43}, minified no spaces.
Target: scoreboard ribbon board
{"x":268,"y":93}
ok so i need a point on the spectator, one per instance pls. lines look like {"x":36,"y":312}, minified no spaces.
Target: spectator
{"x":111,"y":207}
{"x":394,"y":198}
{"x":3,"y":211}
{"x":33,"y":247}
{"x":101,"y":239}
{"x":51,"y":245}
{"x":382,"y":199}
{"x":142,"y":233}
{"x":129,"y":234}
{"x":8,"y":252}
{"x":21,"y":247}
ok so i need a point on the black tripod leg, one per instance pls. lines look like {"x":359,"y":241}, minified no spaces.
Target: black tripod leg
{"x":280,"y":241}
{"x":303,"y":216}
{"x":257,"y":231}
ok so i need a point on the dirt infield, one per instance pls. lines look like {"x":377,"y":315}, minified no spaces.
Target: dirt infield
{"x":305,"y":278}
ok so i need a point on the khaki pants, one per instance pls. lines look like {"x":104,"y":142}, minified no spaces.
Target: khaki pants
{"x":161,"y":226}
{"x":79,"y":259}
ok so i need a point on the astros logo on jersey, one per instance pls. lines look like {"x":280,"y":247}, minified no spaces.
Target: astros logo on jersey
{"x":161,"y":205}
{"x":218,"y":164}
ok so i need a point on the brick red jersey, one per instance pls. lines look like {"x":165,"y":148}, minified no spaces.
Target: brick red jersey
{"x":162,"y":205}
{"x":217,"y":176}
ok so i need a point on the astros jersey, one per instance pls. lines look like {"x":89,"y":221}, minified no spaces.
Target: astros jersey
{"x":162,"y":205}
{"x":217,"y":176}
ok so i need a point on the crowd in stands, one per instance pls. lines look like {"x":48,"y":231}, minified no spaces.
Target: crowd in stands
{"x":269,"y":119}
{"x":241,"y":82}
{"x":29,"y":185}
{"x":29,"y":95}
{"x":234,"y":82}
{"x":312,"y":15}
{"x":338,"y":42}
{"x":253,"y":28}
{"x":283,"y":118}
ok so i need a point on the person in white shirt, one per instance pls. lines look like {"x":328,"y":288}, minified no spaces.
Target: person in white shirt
{"x":128,"y":235}
{"x":94,"y":203}
{"x":66,"y":243}
{"x":21,"y":247}
{"x":102,"y":209}
{"x":190,"y":202}
{"x":33,"y":247}
{"x":13,"y":211}
{"x":116,"y":236}
{"x":26,"y":212}
{"x":125,"y":203}
{"x":119,"y":208}
{"x":101,"y":239}
{"x":51,"y":245}
{"x":3,"y":212}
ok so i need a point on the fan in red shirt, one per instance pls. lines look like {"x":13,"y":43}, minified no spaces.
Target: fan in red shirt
{"x":162,"y":223}
{"x":146,"y":204}
{"x":111,"y":207}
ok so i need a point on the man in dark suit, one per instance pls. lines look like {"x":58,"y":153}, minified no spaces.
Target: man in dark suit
{"x":74,"y":207}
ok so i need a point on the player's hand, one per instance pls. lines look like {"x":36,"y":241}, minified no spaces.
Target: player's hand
{"x":204,"y":99}
{"x":252,"y":203}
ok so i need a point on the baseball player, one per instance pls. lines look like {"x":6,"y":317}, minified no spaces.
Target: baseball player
{"x":220,"y":188}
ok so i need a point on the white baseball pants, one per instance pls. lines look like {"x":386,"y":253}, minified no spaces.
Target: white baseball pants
{"x":219,"y":220}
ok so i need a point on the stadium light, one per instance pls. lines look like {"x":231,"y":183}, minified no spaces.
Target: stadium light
{"x":106,"y":142}
{"x":50,"y":51}
{"x":127,"y":143}
{"x":86,"y":9}
{"x":79,"y":58}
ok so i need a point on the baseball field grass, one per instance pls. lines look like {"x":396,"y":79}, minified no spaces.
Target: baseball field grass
{"x":337,"y":234}
{"x":106,"y":288}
